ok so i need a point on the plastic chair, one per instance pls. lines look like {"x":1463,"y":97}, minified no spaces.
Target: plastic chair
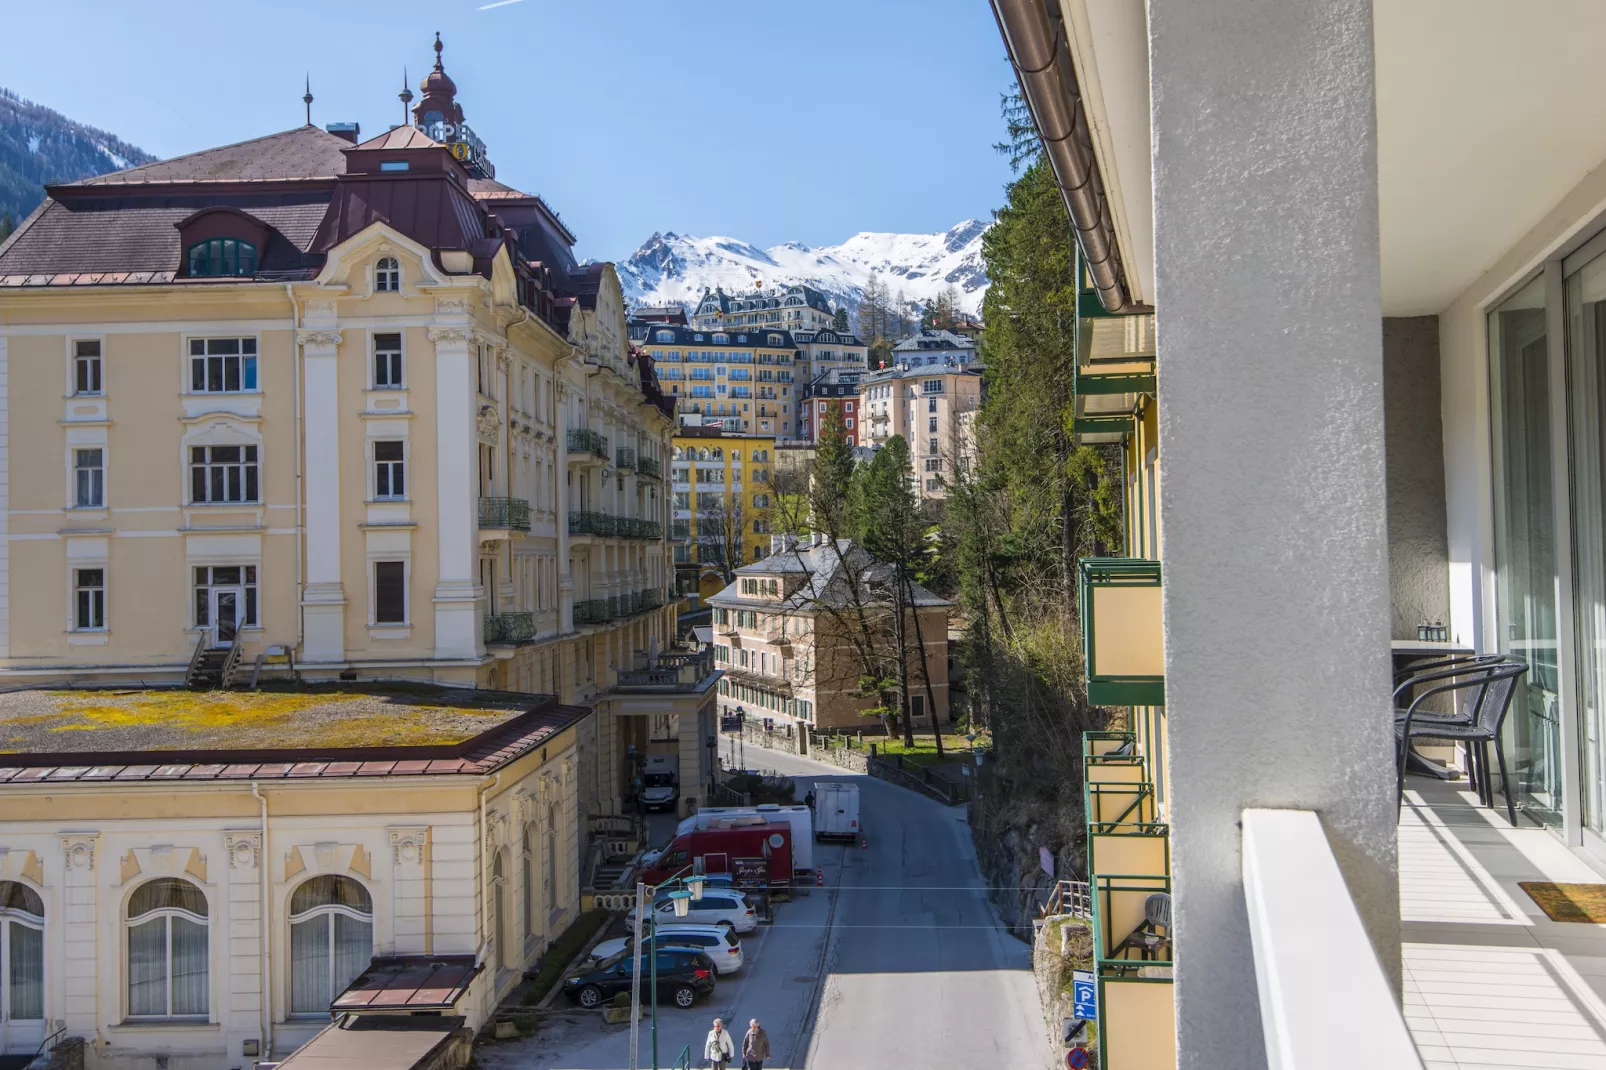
{"x":1484,"y":700}
{"x":1154,"y":934}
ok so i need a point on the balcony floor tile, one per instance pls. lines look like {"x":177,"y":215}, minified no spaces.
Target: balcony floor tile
{"x":1491,"y":983}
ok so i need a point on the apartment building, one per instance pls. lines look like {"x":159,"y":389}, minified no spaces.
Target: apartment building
{"x":1401,"y":429}
{"x":835,"y":391}
{"x":790,"y":632}
{"x":787,"y":308}
{"x":828,"y":350}
{"x":932,"y":404}
{"x":737,"y":380}
{"x":724,"y":501}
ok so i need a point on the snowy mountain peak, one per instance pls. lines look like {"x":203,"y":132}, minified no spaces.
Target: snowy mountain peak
{"x":672,"y":267}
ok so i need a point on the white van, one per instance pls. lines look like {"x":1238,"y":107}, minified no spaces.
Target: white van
{"x":836,"y":811}
{"x":660,"y":783}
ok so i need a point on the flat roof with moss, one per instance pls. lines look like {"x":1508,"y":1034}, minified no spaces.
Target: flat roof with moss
{"x":408,"y":724}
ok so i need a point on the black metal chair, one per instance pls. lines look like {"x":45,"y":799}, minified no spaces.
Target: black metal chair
{"x":1407,"y":680}
{"x":1483,"y":698}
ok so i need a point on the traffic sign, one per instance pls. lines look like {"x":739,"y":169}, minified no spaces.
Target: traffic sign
{"x":1084,"y":994}
{"x":1076,"y":1058}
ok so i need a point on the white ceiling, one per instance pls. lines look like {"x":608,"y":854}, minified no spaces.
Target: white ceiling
{"x":1489,"y":112}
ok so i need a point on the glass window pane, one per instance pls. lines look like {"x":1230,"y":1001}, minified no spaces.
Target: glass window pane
{"x":354,"y":949}
{"x":250,"y":375}
{"x":26,"y":978}
{"x":1525,"y":542}
{"x":147,"y":968}
{"x":226,"y":575}
{"x":1586,"y":321}
{"x":309,"y":966}
{"x":190,"y":967}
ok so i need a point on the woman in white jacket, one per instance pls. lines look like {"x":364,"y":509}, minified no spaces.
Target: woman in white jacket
{"x":719,"y":1049}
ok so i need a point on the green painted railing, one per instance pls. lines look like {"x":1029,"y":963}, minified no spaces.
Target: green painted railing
{"x":646,"y":466}
{"x":585,"y":440}
{"x":510,"y":513}
{"x":624,"y":457}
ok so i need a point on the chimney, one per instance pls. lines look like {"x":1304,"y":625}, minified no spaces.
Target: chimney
{"x":345,"y":131}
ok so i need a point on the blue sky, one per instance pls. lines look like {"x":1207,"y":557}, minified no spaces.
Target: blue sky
{"x":769,"y":120}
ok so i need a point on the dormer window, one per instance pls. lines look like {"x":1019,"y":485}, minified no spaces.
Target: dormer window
{"x":387,"y":275}
{"x":221,"y":257}
{"x":666,"y":336}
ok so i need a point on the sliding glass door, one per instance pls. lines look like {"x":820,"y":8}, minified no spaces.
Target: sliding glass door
{"x":1525,"y":545}
{"x":1586,"y":353}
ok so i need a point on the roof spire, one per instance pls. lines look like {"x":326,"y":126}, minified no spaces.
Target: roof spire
{"x":406,"y":96}
{"x":438,"y":47}
{"x":307,"y":100}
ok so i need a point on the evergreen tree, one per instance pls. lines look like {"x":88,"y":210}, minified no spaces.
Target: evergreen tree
{"x":839,"y":322}
{"x":7,"y":225}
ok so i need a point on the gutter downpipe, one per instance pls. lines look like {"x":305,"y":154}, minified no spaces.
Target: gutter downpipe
{"x":1037,"y":50}
{"x":301,"y":510}
{"x":267,"y":966}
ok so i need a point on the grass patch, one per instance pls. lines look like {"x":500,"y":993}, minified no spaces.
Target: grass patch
{"x":955,"y":747}
{"x":556,"y":958}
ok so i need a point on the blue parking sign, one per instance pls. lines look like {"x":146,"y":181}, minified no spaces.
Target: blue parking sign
{"x":1084,"y":994}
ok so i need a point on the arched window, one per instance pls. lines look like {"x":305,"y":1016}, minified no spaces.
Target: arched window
{"x":527,"y":879}
{"x":717,"y":454}
{"x":702,"y":454}
{"x":221,"y":257}
{"x":721,"y":339}
{"x":676,"y":453}
{"x":666,"y":336}
{"x":387,"y":275}
{"x":499,"y":908}
{"x":549,"y":858}
{"x":22,"y":953}
{"x":168,"y":950}
{"x":331,"y":940}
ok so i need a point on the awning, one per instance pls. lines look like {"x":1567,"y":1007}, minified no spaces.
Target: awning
{"x":408,"y":984}
{"x":383,"y":1043}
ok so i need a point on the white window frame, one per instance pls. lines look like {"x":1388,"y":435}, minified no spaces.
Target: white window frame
{"x":390,"y":467}
{"x":97,"y":360}
{"x":324,"y":912}
{"x":97,"y":606}
{"x":387,"y":275}
{"x":255,"y":357}
{"x":406,"y":562}
{"x":167,"y":914}
{"x":96,"y":475}
{"x":243,"y":464}
{"x":400,"y":362}
{"x":247,"y":585}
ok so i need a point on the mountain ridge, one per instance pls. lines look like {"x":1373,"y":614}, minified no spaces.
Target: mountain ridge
{"x":671,"y":268}
{"x":40,"y":145}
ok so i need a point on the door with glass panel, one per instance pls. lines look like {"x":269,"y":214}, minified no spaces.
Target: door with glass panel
{"x":22,"y":969}
{"x":1586,"y":384}
{"x":1525,"y":545}
{"x":226,"y":605}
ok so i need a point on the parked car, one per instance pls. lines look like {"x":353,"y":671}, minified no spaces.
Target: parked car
{"x":715,"y":941}
{"x":684,"y":974}
{"x":714,"y":908}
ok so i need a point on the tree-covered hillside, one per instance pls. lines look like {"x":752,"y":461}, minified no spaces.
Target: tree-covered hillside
{"x":38,"y":145}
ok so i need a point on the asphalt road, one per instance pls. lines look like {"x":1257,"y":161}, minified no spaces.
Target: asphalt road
{"x":898,"y":962}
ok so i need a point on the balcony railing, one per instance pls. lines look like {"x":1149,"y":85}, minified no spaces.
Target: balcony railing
{"x":1123,"y":634}
{"x":624,"y":457}
{"x":510,"y":628}
{"x":680,"y":529}
{"x":671,"y":672}
{"x":512,"y":514}
{"x":585,"y":440}
{"x":591,"y":611}
{"x":647,"y":468}
{"x":591,"y":524}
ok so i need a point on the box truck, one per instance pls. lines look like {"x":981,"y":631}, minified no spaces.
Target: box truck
{"x":800,"y":817}
{"x":753,"y":853}
{"x":836,"y":811}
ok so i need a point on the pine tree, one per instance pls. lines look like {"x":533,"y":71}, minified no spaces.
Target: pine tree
{"x":840,"y":322}
{"x":7,"y":225}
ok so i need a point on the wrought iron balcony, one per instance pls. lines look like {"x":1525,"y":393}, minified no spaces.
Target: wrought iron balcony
{"x":512,"y":514}
{"x":652,"y":598}
{"x":647,"y":468}
{"x":585,"y":440}
{"x":591,"y":611}
{"x":510,"y":628}
{"x":591,"y":524}
{"x":680,"y":529}
{"x":624,"y":457}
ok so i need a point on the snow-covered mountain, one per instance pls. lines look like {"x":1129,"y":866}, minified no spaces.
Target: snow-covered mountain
{"x":673,"y":267}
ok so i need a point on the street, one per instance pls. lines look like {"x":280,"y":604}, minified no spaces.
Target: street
{"x":898,"y":962}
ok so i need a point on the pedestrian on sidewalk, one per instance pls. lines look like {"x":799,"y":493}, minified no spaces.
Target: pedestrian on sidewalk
{"x":718,"y":1049}
{"x":755,"y":1046}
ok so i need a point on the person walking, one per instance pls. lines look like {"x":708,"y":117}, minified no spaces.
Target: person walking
{"x":755,"y":1046}
{"x":718,"y":1048}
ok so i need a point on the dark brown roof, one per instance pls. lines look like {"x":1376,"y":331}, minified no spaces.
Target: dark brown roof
{"x":432,"y":209}
{"x":377,"y":1043}
{"x":305,"y":152}
{"x":402,"y":137}
{"x":120,"y":233}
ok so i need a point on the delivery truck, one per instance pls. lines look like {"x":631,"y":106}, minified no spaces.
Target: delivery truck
{"x":800,"y":817}
{"x":755,"y":854}
{"x":836,"y":811}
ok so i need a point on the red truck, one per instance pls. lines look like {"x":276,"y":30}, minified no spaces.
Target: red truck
{"x":753,"y":854}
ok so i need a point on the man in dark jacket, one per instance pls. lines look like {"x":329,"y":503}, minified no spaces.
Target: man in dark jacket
{"x":755,"y":1046}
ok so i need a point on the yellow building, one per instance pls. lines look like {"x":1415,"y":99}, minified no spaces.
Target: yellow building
{"x":734,"y":380}
{"x":724,"y":502}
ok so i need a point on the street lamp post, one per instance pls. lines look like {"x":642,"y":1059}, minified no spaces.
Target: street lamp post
{"x":690,"y":890}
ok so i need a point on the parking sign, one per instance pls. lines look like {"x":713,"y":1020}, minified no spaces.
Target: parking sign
{"x":1084,"y":994}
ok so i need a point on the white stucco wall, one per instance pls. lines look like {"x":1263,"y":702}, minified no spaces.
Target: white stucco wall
{"x":1271,"y":420}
